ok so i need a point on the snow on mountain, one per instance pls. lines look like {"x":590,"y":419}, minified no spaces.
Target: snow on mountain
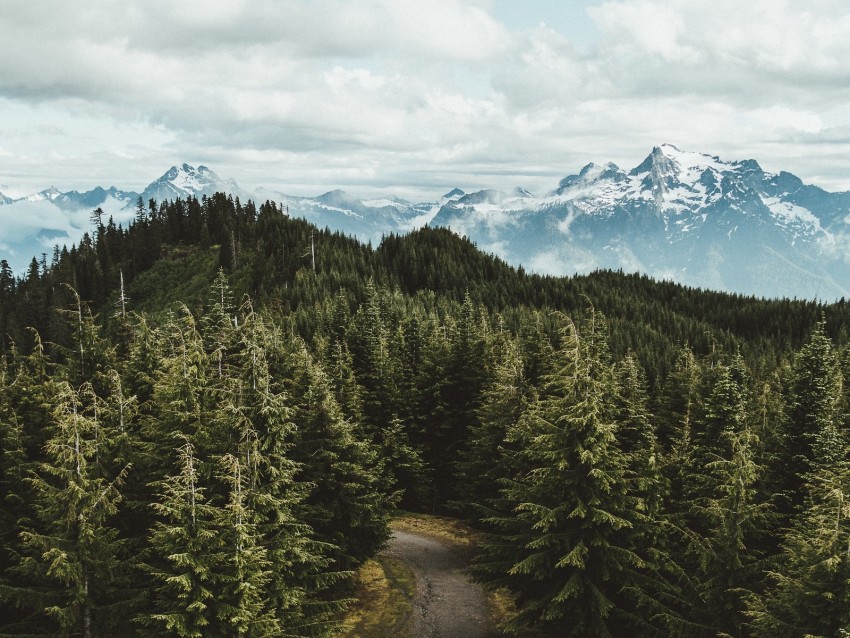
{"x":4,"y":199}
{"x":33,"y":225}
{"x":680,"y":215}
{"x":110,"y":200}
{"x":49,"y":194}
{"x":368,"y":220}
{"x":187,"y":181}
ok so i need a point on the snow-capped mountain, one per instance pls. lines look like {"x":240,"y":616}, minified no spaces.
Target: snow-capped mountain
{"x":33,"y":225}
{"x":111,"y":200}
{"x":688,"y":217}
{"x":49,"y":194}
{"x":187,"y":181}
{"x":366,"y":219}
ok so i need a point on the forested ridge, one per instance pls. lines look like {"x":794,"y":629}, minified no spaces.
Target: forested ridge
{"x":208,"y":418}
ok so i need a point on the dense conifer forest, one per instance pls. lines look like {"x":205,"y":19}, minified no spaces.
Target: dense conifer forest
{"x":208,"y":418}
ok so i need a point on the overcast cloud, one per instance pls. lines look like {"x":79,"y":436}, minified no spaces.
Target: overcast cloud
{"x":414,"y":97}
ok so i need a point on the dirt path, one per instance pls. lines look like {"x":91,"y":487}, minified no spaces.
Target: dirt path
{"x":447,"y":603}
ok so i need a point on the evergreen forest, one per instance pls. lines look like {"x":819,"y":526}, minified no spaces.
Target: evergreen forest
{"x":209,"y":417}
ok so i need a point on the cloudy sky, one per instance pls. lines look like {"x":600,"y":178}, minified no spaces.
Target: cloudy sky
{"x":415,"y":96}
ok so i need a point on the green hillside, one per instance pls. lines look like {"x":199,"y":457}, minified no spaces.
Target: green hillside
{"x":208,"y":418}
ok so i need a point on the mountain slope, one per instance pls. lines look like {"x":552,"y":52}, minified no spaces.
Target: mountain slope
{"x":33,"y":225}
{"x":683,"y":216}
{"x":688,"y":217}
{"x":187,"y":181}
{"x":366,"y":219}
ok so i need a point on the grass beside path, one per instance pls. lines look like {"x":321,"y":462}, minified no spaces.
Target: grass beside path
{"x":385,"y":586}
{"x":384,"y":591}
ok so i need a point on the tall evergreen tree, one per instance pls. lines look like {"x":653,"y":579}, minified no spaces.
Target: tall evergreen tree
{"x":809,"y":592}
{"x":349,"y":503}
{"x":488,"y":456}
{"x":562,"y":543}
{"x":813,"y":396}
{"x":74,"y":571}
{"x":181,"y":556}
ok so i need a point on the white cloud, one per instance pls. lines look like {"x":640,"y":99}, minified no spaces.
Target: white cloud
{"x":649,"y":26}
{"x":414,"y":96}
{"x":757,"y":50}
{"x":780,"y":118}
{"x":565,"y":262}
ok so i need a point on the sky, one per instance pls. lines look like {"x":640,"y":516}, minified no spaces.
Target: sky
{"x":414,"y":97}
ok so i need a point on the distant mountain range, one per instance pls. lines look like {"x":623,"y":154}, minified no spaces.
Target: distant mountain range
{"x":688,"y":217}
{"x":683,"y":216}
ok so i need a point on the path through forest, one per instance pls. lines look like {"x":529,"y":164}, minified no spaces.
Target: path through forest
{"x":447,"y":603}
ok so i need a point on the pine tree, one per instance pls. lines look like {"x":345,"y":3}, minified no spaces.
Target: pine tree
{"x":349,"y":503}
{"x":260,"y":414}
{"x":812,"y":400}
{"x":735,"y":518}
{"x":679,"y":402}
{"x":76,"y":566}
{"x":725,"y":409}
{"x":717,"y":517}
{"x":241,"y":603}
{"x":636,"y":435}
{"x":373,"y":363}
{"x":562,"y":541}
{"x":7,"y":297}
{"x":488,"y":457}
{"x":464,"y":377}
{"x":15,"y":384}
{"x":182,"y":561}
{"x":809,"y":592}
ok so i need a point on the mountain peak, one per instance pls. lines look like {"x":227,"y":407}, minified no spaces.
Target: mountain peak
{"x":659,"y":163}
{"x":49,"y":194}
{"x":666,"y":147}
{"x":336,"y":193}
{"x":589,"y":174}
{"x":185,"y":181}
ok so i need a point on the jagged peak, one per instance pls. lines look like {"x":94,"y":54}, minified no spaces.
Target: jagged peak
{"x":589,"y":169}
{"x":188,"y":170}
{"x":47,"y":194}
{"x":487,"y":195}
{"x":657,"y":162}
{"x":667,"y":147}
{"x":338,"y":197}
{"x":337,"y":192}
{"x":590,"y":173}
{"x":455,"y":193}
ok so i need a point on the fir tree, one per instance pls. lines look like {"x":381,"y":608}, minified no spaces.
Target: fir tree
{"x":488,"y":456}
{"x":74,"y":570}
{"x":182,"y":561}
{"x":809,"y":592}
{"x":812,"y":400}
{"x":563,"y":540}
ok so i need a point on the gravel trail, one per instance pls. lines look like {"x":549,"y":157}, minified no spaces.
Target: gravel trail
{"x":447,"y":603}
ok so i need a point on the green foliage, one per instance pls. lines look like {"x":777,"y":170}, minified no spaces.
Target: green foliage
{"x":215,"y":454}
{"x":72,"y":568}
{"x":564,"y":525}
{"x":809,"y":590}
